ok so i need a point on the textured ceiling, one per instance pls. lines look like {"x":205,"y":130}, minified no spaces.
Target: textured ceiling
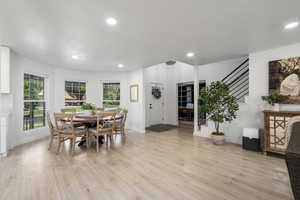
{"x":148,"y":32}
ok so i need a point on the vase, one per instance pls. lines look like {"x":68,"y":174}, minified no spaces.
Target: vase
{"x":276,"y":107}
{"x":88,"y":112}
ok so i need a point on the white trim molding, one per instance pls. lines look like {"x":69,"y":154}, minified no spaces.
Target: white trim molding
{"x":3,"y":135}
{"x":4,"y":69}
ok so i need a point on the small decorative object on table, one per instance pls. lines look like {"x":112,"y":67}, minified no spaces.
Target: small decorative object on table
{"x":275,"y":99}
{"x":219,"y":107}
{"x":88,"y":108}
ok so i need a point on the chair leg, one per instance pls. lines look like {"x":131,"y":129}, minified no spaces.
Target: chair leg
{"x":107,"y":141}
{"x":97,"y":143}
{"x":58,"y":146}
{"x":73,"y":145}
{"x":88,"y":142}
{"x":111,"y":139}
{"x":51,"y":141}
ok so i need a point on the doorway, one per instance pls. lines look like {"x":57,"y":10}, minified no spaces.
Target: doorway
{"x":185,"y":96}
{"x":155,"y":104}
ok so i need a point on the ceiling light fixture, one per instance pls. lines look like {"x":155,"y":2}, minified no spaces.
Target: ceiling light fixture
{"x":120,"y":65}
{"x":291,"y":25}
{"x":111,"y":21}
{"x":190,"y":54}
{"x":75,"y":57}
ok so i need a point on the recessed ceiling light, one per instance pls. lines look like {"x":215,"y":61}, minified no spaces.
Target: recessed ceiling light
{"x":190,"y":54}
{"x":120,"y":65}
{"x":291,"y":25}
{"x":75,"y":57}
{"x":78,"y":57}
{"x":111,"y":21}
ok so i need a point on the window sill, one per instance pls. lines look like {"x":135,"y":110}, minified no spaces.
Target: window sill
{"x":35,"y":131}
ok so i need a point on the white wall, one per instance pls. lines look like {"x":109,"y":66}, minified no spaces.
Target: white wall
{"x":136,"y":110}
{"x":250,"y":114}
{"x":170,"y":76}
{"x":94,"y":85}
{"x":19,"y":66}
{"x":217,"y":71}
{"x":259,"y":77}
{"x":54,"y":82}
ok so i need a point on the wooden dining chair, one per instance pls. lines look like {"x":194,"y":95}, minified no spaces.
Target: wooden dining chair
{"x":67,"y":131}
{"x":120,"y":123}
{"x":104,"y":127}
{"x":99,"y":109}
{"x":53,"y":132}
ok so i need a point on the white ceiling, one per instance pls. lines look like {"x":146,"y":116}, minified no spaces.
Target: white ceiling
{"x":148,"y":31}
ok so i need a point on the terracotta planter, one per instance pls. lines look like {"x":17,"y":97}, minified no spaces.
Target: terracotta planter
{"x":218,"y":139}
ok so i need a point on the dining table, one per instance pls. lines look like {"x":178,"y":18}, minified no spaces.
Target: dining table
{"x":89,"y":120}
{"x":86,"y":118}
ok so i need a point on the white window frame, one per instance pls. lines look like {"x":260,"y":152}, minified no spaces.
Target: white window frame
{"x":45,"y":100}
{"x":102,"y":88}
{"x":75,"y":101}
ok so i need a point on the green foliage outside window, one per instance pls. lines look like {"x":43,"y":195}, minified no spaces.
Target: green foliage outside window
{"x":111,"y":95}
{"x":34,"y":103}
{"x":75,"y":93}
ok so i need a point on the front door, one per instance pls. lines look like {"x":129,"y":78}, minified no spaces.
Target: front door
{"x":156,"y":104}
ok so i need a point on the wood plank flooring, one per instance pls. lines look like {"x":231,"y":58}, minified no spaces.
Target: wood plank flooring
{"x":168,"y":165}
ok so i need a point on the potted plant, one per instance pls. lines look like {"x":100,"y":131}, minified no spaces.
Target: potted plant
{"x":88,"y":108}
{"x":219,"y":107}
{"x":275,"y":99}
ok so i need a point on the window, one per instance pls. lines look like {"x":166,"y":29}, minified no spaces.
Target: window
{"x":111,"y":95}
{"x":75,"y":93}
{"x":34,"y":102}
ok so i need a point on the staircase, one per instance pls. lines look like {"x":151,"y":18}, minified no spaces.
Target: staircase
{"x":238,"y":81}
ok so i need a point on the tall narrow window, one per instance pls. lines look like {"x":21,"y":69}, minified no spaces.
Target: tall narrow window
{"x":111,"y":95}
{"x":34,"y":102}
{"x":75,"y":93}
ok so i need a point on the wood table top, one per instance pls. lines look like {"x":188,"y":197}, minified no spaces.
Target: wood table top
{"x":89,"y":118}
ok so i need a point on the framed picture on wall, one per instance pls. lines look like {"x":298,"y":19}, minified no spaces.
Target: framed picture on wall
{"x":134,"y":93}
{"x":284,"y":79}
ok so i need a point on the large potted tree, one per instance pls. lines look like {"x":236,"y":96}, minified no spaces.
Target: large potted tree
{"x":219,"y":107}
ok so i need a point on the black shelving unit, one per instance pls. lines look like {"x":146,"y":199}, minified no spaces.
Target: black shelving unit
{"x":186,"y":102}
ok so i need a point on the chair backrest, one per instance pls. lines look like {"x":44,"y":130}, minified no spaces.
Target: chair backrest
{"x":99,"y":109}
{"x":105,"y":120}
{"x":64,"y":122}
{"x":68,"y":110}
{"x":124,"y":113}
{"x":50,"y":124}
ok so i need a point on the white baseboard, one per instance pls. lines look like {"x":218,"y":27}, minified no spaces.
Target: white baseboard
{"x":3,"y":155}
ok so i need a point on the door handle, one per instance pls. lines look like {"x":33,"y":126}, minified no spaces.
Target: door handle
{"x":150,"y":106}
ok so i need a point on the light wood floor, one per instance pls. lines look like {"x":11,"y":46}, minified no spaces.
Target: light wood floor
{"x":168,"y":165}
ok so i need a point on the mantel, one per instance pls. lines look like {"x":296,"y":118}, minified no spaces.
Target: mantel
{"x":282,"y":112}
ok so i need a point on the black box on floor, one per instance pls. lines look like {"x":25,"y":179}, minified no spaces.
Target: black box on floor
{"x":252,"y":144}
